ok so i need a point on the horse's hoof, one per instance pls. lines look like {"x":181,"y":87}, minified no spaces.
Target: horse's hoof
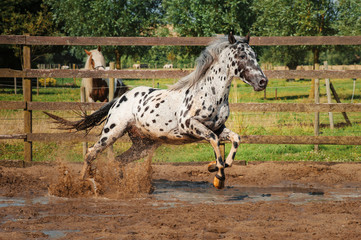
{"x":212,"y":167}
{"x":218,"y":182}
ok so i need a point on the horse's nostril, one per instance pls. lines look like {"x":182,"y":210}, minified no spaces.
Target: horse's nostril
{"x":263,"y":82}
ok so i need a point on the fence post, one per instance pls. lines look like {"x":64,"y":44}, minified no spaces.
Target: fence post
{"x":74,"y":78}
{"x":28,"y":128}
{"x":83,"y":99}
{"x":317,"y":101}
{"x":276,"y":94}
{"x":344,"y":114}
{"x":328,"y":92}
{"x":111,"y":82}
{"x":235,"y":90}
{"x":265,"y":94}
{"x":15,"y":86}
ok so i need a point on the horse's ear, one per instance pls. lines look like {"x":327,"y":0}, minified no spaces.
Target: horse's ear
{"x":248,"y":37}
{"x":99,"y":49}
{"x":231,"y":38}
{"x":87,"y":52}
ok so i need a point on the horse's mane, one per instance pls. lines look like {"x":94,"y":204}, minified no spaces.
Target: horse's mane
{"x":204,"y":61}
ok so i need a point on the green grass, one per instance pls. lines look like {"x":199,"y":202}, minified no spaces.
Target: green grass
{"x":244,"y":123}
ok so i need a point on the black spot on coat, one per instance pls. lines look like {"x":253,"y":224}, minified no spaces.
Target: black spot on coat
{"x":188,"y":121}
{"x":152,"y":90}
{"x":123,"y":99}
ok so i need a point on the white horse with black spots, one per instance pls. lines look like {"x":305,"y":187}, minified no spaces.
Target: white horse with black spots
{"x":193,"y":109}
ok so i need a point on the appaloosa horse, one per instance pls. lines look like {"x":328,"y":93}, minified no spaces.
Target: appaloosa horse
{"x":96,"y":89}
{"x":193,"y":109}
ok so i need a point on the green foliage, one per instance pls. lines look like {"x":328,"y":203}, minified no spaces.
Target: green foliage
{"x":293,"y":18}
{"x":199,"y":18}
{"x":348,"y":23}
{"x":348,"y":17}
{"x":107,"y":19}
{"x":206,"y":18}
{"x":23,"y":16}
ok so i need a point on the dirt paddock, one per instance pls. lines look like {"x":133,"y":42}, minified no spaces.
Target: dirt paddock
{"x":300,"y":200}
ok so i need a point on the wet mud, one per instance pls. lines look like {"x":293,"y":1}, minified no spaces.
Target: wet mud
{"x":177,"y":201}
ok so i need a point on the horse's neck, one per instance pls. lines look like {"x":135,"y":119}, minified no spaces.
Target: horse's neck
{"x":218,"y":77}
{"x":87,"y":82}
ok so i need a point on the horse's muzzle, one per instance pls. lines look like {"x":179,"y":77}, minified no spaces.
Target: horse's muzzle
{"x":261,"y":85}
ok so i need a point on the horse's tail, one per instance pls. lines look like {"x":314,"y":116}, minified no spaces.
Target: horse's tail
{"x":87,"y":122}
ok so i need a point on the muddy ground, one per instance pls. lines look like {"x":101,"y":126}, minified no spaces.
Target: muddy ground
{"x":300,"y":200}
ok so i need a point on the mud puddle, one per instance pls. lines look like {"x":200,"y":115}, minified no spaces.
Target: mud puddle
{"x":20,"y":202}
{"x":204,"y":192}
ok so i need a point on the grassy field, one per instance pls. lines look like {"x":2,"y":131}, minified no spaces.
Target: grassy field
{"x":242,"y":122}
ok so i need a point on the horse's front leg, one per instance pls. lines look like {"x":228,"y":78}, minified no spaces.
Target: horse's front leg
{"x":199,"y":130}
{"x":226,"y":134}
{"x":235,"y":139}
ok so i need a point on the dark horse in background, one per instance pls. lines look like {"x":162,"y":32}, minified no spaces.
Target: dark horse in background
{"x":97,"y":89}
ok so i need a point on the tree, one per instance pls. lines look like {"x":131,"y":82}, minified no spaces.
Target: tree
{"x":293,"y":18}
{"x":348,"y":23}
{"x":107,"y":19}
{"x":201,"y":18}
{"x":19,"y":17}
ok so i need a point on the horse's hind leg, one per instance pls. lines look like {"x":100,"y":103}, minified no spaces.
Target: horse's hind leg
{"x":140,"y":148}
{"x":134,"y":153}
{"x":111,"y":132}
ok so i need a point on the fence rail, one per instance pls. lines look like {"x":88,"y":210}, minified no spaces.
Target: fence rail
{"x":245,"y":139}
{"x":175,"y":41}
{"x":28,"y":106}
{"x":240,"y":107}
{"x":161,"y":74}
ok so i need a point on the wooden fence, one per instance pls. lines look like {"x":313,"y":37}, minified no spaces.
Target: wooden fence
{"x":28,"y":106}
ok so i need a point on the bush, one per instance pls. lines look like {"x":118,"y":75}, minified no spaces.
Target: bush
{"x":47,"y":81}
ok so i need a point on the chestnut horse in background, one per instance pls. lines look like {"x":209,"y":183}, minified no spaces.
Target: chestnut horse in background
{"x":97,"y":89}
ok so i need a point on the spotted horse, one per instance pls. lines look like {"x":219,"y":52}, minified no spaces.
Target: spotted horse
{"x":193,"y":109}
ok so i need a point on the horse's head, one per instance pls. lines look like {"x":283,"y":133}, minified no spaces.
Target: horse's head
{"x":95,"y":59}
{"x":244,"y":63}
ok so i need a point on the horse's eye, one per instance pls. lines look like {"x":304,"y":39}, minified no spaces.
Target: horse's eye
{"x":92,"y":62}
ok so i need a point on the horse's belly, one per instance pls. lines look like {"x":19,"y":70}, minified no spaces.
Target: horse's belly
{"x":166,"y":132}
